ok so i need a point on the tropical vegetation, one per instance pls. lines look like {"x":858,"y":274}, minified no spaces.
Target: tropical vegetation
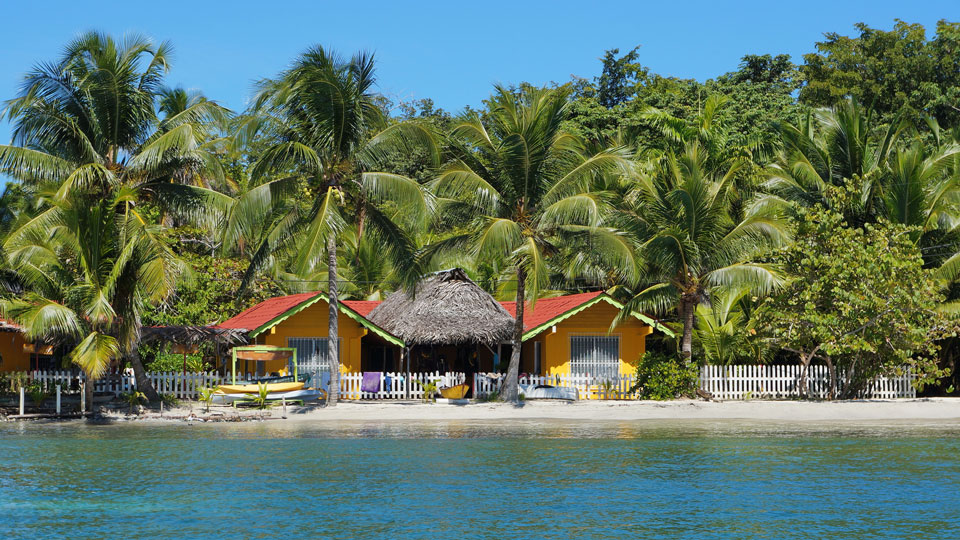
{"x":781,"y":212}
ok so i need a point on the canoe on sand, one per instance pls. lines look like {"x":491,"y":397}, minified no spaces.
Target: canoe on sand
{"x":255,"y":388}
{"x":455,"y":392}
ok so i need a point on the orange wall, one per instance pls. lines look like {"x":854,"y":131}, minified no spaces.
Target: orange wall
{"x":11,"y":349}
{"x":555,"y":348}
{"x":312,"y":323}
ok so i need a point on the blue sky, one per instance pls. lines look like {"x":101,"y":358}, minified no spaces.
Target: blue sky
{"x":447,"y":50}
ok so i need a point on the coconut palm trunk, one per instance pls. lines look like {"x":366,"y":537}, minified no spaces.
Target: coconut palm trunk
{"x":688,"y":307}
{"x":140,"y":374}
{"x":509,"y":392}
{"x":88,"y":392}
{"x":333,"y":392}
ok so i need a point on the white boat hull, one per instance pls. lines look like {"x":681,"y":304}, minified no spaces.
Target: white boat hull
{"x":301,"y":395}
{"x":532,"y":391}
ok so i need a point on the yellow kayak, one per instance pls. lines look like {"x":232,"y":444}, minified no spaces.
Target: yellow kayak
{"x":255,"y":388}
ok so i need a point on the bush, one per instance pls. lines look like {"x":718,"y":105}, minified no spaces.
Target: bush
{"x":661,"y":376}
{"x":166,"y":362}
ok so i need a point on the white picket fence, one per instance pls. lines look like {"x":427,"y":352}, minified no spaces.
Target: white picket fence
{"x":588,"y":387}
{"x":396,"y":385}
{"x":777,"y":382}
{"x":723,"y":382}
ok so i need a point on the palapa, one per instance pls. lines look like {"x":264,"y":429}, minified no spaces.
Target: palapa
{"x":447,"y":308}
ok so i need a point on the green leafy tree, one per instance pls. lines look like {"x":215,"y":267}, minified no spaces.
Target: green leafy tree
{"x":859,"y":299}
{"x":896,"y":71}
{"x":619,"y":78}
{"x":520,"y":184}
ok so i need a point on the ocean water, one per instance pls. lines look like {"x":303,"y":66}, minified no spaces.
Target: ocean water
{"x":530,"y":479}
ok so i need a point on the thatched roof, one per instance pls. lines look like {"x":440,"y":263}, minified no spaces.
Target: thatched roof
{"x":447,"y":308}
{"x":194,"y":335}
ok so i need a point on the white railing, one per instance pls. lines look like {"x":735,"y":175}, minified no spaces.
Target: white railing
{"x":177,"y":384}
{"x":723,"y":382}
{"x":777,"y":382}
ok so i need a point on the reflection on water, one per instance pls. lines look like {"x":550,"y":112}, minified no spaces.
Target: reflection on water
{"x":536,"y":479}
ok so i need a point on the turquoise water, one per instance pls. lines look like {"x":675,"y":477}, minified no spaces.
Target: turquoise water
{"x":534,"y":479}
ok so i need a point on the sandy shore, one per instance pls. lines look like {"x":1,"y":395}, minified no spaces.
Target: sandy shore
{"x":934,"y":409}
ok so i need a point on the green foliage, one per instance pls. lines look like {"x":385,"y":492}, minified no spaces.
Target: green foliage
{"x":429,"y":390}
{"x":206,"y":396}
{"x":170,"y":400}
{"x":167,"y":362}
{"x":15,"y":381}
{"x":37,"y":394}
{"x":860,"y":299}
{"x":661,"y":376}
{"x":134,"y":399}
{"x":896,"y":71}
{"x":260,"y":398}
{"x":725,"y":328}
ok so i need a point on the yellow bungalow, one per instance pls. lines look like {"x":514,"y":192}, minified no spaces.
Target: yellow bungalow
{"x":15,"y":352}
{"x":562,"y":335}
{"x":570,"y":335}
{"x":301,"y":321}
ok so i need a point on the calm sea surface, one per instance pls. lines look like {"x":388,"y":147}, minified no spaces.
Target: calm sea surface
{"x":532,"y":479}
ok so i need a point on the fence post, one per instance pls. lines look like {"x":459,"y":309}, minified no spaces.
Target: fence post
{"x":58,"y":400}
{"x":21,"y":401}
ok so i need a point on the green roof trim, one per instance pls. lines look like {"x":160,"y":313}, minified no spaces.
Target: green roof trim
{"x":343,"y":309}
{"x":599,"y":298}
{"x":374,"y":328}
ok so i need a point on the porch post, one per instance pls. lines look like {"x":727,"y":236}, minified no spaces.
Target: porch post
{"x":406,"y":353}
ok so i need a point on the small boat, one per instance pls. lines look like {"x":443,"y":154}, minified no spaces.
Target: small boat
{"x":303,"y":394}
{"x":546,"y":391}
{"x":255,"y":388}
{"x":455,"y":392}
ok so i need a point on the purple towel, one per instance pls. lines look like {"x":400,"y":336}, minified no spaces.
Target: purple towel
{"x":371,"y":382}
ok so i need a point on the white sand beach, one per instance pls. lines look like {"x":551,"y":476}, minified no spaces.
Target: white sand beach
{"x":945,"y":410}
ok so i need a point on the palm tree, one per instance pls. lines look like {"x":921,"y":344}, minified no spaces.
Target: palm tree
{"x":829,"y":147}
{"x":519,"y":187}
{"x":329,"y":134}
{"x":690,"y":242}
{"x":902,"y":181}
{"x":725,"y":328}
{"x":86,"y":132}
{"x":90,"y":267}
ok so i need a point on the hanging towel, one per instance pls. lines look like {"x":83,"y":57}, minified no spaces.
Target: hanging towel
{"x":387,"y":383}
{"x":371,"y":382}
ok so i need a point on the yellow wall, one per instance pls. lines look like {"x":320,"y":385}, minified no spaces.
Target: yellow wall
{"x":595,"y":320}
{"x":312,"y":323}
{"x":11,"y":349}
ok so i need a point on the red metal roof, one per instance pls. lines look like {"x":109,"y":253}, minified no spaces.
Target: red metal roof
{"x":363,"y":307}
{"x":264,"y":312}
{"x":272,"y":308}
{"x":549,"y":308}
